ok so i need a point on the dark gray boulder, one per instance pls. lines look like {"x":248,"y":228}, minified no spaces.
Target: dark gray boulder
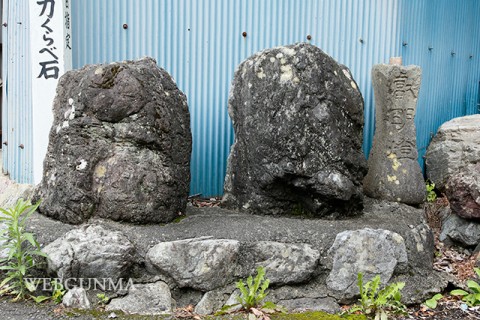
{"x":298,"y":121}
{"x":119,"y":147}
{"x":463,"y":192}
{"x":456,"y":230}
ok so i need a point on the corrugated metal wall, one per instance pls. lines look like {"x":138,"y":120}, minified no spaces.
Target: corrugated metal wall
{"x":442,"y":37}
{"x":200,"y":43}
{"x":17,"y":99}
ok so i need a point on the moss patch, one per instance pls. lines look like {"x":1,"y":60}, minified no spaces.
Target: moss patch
{"x":316,"y":315}
{"x":179,"y":218}
{"x":109,"y":77}
{"x":311,"y":315}
{"x":299,"y":210}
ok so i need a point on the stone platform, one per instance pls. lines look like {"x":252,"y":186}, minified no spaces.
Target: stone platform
{"x":312,"y":263}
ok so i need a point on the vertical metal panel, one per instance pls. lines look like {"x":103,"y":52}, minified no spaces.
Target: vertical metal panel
{"x":200,"y":43}
{"x":17,"y":99}
{"x":442,"y":37}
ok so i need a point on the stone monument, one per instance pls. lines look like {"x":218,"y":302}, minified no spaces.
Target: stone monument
{"x":394,"y":173}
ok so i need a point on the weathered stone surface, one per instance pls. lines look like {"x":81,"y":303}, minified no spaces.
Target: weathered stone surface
{"x":460,"y":231}
{"x":463,"y":192}
{"x":454,"y":147}
{"x":213,"y":301}
{"x":233,"y":301}
{"x":76,"y":298}
{"x":119,"y":147}
{"x":394,"y":173}
{"x":421,"y":285}
{"x":90,"y":252}
{"x":285,"y":262}
{"x":372,"y":252}
{"x":298,"y":120}
{"x":10,"y":192}
{"x":201,"y":263}
{"x":151,"y":298}
{"x":184,"y":297}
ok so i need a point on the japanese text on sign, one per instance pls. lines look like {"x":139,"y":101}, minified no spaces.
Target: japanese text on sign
{"x":49,"y":62}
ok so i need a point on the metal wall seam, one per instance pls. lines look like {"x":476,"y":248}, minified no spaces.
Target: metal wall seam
{"x":17,"y":103}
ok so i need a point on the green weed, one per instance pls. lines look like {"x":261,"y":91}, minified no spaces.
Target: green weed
{"x":471,"y":298}
{"x":378,"y":303}
{"x":21,"y":248}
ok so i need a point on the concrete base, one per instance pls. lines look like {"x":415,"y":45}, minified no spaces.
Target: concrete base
{"x":10,"y":191}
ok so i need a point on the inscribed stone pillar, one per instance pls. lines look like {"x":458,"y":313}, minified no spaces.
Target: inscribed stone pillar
{"x":394,"y":173}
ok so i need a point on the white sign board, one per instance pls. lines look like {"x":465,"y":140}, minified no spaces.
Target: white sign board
{"x":51,"y":56}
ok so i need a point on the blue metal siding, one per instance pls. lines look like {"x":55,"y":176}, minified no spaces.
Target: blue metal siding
{"x":443,"y":38}
{"x":200,"y":43}
{"x":17,"y":95}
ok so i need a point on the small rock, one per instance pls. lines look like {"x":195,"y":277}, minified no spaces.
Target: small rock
{"x":372,"y":252}
{"x":145,"y":299}
{"x":233,"y":301}
{"x":286,"y":263}
{"x":213,"y":301}
{"x":460,"y":231}
{"x":201,"y":263}
{"x":76,"y":298}
{"x":90,"y":252}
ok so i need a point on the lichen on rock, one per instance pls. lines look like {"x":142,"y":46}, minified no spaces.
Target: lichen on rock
{"x":298,"y":124}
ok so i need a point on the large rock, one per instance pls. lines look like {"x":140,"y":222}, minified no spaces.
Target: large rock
{"x":197,"y":263}
{"x":298,"y":120}
{"x":454,"y":147}
{"x":151,"y":298}
{"x":393,"y":170}
{"x":285,"y":262}
{"x":369,"y":251}
{"x":91,"y":252}
{"x":460,"y":231}
{"x":119,"y":147}
{"x":463,"y":192}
